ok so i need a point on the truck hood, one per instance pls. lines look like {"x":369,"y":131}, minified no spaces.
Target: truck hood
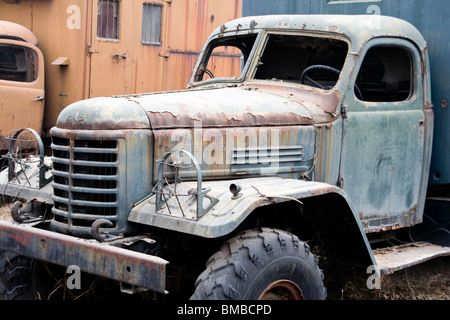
{"x":220,"y":107}
{"x":103,"y":114}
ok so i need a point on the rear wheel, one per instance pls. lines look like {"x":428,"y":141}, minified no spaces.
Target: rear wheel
{"x":265,"y":264}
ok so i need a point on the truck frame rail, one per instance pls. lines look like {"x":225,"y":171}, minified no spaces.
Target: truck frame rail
{"x":98,"y":258}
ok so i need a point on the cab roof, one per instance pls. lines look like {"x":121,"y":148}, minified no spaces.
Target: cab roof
{"x":11,"y":30}
{"x":358,"y":28}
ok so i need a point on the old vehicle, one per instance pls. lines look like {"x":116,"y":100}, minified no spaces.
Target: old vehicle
{"x":323,"y":132}
{"x":21,"y":81}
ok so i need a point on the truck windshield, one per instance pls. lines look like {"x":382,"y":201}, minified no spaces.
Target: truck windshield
{"x":308,"y":60}
{"x":313,"y":61}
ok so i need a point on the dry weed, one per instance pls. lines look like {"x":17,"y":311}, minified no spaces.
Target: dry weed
{"x":5,"y":211}
{"x":427,"y":281}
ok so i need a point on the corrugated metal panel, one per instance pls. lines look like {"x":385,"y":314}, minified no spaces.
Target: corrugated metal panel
{"x":191,"y":22}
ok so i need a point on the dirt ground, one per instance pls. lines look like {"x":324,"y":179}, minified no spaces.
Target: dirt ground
{"x":427,"y":281}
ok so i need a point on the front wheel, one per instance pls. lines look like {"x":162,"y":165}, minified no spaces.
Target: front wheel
{"x":262,"y":264}
{"x":23,"y":278}
{"x":15,"y":277}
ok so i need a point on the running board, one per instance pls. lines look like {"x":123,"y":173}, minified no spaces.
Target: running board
{"x":396,"y":258}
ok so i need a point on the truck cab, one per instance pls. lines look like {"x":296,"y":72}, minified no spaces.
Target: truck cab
{"x":367,"y":97}
{"x":21,"y":82}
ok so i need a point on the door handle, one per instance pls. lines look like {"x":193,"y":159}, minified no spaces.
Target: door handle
{"x":38,"y":98}
{"x":118,"y":56}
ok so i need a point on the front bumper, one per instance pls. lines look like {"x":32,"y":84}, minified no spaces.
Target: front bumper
{"x":98,"y":258}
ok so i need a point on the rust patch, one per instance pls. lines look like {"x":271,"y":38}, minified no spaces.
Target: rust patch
{"x":19,"y":238}
{"x":101,"y":125}
{"x":223,"y":107}
{"x":326,"y":101}
{"x":165,"y":120}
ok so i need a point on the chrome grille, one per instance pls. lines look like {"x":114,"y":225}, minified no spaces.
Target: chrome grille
{"x":85,"y":186}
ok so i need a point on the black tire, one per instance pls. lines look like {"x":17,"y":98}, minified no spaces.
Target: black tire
{"x":261,"y":264}
{"x":15,"y":277}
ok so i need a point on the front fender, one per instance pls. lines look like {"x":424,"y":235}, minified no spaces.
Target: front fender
{"x":333,"y":219}
{"x":226,"y":212}
{"x":179,"y":213}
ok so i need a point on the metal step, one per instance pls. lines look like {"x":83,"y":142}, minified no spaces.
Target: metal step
{"x":399,"y":257}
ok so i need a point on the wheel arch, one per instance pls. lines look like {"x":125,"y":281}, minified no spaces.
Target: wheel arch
{"x":322,"y":209}
{"x":327,"y":218}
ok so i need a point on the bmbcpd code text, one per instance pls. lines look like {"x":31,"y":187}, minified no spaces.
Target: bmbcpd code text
{"x":253,"y":309}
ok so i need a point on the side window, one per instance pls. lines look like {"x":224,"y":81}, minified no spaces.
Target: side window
{"x":222,"y":62}
{"x":108,"y":19}
{"x":151,"y":24}
{"x":18,"y":63}
{"x":225,"y":58}
{"x":386,"y":75}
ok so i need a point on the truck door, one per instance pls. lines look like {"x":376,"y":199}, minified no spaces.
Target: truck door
{"x":116,"y":51}
{"x":382,"y":159}
{"x":110,"y":58}
{"x":21,"y":88}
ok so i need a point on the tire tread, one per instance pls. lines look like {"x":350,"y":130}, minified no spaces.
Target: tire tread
{"x":249,"y":250}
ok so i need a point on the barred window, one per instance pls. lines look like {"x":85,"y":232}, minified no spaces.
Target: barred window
{"x":108,"y":19}
{"x":151,"y":23}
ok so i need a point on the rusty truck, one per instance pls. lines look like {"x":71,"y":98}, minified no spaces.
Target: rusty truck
{"x":317,"y":144}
